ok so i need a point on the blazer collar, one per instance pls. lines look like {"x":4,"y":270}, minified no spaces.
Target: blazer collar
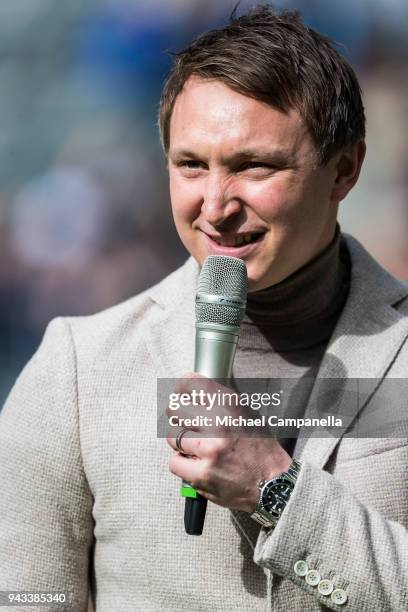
{"x":364,"y":344}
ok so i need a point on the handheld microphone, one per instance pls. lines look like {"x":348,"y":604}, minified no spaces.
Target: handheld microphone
{"x":220,"y":308}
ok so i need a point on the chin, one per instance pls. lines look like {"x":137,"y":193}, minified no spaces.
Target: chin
{"x":257,"y":279}
{"x":256,"y":284}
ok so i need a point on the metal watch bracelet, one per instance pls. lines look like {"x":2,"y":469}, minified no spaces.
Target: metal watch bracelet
{"x":268,"y":521}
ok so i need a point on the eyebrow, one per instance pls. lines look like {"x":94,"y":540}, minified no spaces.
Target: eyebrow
{"x":276,"y":156}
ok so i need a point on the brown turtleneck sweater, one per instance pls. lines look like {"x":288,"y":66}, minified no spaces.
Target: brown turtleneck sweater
{"x":287,"y":326}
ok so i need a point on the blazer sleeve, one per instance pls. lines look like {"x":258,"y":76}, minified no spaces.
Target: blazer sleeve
{"x":355,"y":547}
{"x":46,"y":524}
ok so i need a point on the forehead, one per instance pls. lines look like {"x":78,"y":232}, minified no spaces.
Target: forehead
{"x":208,"y":113}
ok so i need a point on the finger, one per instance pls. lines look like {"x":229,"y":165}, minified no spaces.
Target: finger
{"x":193,"y":418}
{"x":201,"y":391}
{"x":192,"y":381}
{"x":190,"y":470}
{"x":191,"y":446}
{"x":187,"y":395}
{"x":188,"y":411}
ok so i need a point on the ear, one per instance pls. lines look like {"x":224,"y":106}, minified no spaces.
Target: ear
{"x":347,"y":170}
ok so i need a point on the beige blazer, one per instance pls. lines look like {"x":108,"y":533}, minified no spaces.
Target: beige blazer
{"x":87,"y":503}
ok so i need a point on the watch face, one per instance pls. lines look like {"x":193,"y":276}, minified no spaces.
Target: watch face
{"x":275,"y":495}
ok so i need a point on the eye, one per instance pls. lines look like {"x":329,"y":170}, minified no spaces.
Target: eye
{"x":253,"y":165}
{"x":190,"y":164}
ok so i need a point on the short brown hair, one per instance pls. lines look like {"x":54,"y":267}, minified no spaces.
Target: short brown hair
{"x":274,"y":57}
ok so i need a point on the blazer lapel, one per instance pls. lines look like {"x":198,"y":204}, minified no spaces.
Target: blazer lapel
{"x":364,"y":344}
{"x":170,"y":338}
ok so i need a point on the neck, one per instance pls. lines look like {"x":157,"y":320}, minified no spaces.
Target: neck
{"x":301,"y":311}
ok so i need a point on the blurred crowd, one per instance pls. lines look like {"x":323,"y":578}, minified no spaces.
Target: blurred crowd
{"x":85,"y":218}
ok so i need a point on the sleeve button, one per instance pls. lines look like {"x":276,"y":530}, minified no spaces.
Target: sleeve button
{"x":313,"y":577}
{"x":301,"y":568}
{"x":325,"y":587}
{"x":339,"y":596}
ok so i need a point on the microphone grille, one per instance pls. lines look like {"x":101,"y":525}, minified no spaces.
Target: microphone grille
{"x":227,"y":277}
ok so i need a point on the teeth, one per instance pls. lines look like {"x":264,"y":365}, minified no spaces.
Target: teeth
{"x":236,"y":241}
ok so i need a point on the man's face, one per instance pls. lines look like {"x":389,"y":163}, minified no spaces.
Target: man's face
{"x":244,"y":182}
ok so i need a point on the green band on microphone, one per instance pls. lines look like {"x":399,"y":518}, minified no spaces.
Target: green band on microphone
{"x":187,"y":491}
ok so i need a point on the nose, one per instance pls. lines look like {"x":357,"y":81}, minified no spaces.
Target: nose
{"x":220,"y":202}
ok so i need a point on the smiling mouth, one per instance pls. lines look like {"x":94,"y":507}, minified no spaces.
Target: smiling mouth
{"x":237,"y":240}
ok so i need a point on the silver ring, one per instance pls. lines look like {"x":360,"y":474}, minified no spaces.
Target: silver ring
{"x":178,"y":439}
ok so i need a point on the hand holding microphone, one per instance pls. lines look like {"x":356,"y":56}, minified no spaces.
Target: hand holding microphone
{"x":220,"y":308}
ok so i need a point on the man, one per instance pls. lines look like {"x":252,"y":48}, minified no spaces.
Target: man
{"x":263,"y":129}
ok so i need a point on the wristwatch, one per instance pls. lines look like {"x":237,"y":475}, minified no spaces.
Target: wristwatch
{"x":274,"y":495}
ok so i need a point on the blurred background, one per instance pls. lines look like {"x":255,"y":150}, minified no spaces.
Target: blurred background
{"x":84,"y":207}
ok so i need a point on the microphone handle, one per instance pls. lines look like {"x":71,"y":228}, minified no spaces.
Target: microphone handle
{"x":214,"y":356}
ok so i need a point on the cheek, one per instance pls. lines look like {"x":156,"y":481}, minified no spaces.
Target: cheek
{"x":273,"y":200}
{"x":185,"y":200}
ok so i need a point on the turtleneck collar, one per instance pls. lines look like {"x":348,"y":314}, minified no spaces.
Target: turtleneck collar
{"x":302,"y":310}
